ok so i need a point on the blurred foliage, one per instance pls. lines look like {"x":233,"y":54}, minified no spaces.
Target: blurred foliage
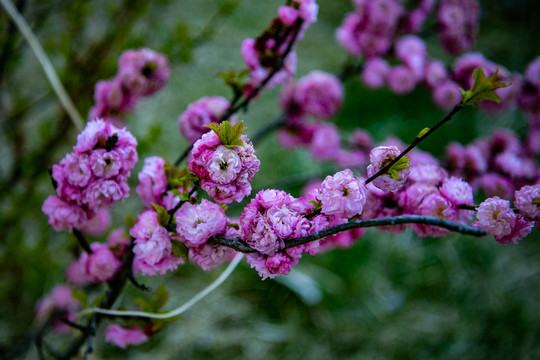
{"x":390,"y":296}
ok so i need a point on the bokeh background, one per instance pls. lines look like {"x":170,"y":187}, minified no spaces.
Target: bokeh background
{"x":390,"y":296}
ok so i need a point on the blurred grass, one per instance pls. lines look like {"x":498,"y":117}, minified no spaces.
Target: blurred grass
{"x":387,"y":297}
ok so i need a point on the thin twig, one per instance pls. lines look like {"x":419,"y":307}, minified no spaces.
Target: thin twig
{"x":417,"y":140}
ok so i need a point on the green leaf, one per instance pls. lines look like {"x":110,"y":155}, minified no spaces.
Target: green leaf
{"x":483,"y":88}
{"x":183,"y":196}
{"x":402,"y":164}
{"x":228,"y":134}
{"x":162,"y":296}
{"x":179,"y":249}
{"x":142,"y":302}
{"x":80,"y":296}
{"x":422,"y":132}
{"x":130,"y":221}
{"x":163,"y":216}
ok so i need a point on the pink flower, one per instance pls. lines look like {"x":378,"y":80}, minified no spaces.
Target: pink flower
{"x":104,"y":193}
{"x":202,"y":112}
{"x":493,"y":184}
{"x":438,"y":206}
{"x":342,"y":195}
{"x":209,"y":256}
{"x":435,"y":72}
{"x":401,"y":79}
{"x":458,"y":191}
{"x":152,"y":181}
{"x":411,"y":50}
{"x":122,"y":337}
{"x":458,"y":24}
{"x":76,"y":168}
{"x":153,"y":249}
{"x":446,"y":94}
{"x":326,"y":142}
{"x":106,"y":164}
{"x":102,"y":264}
{"x":60,"y":300}
{"x":319,"y":94}
{"x":224,"y":172}
{"x":379,"y":157}
{"x":63,"y":215}
{"x":527,"y":201}
{"x":98,"y":224}
{"x":195,"y":224}
{"x":497,"y":218}
{"x":271,"y":266}
{"x":375,"y":72}
{"x":143,"y":71}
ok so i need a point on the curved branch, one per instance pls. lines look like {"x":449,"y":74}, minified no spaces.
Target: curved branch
{"x":55,"y":82}
{"x":179,"y":310}
{"x":239,"y":245}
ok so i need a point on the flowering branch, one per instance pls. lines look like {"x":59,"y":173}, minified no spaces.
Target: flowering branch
{"x":236,"y":105}
{"x":239,"y":245}
{"x":417,"y":140}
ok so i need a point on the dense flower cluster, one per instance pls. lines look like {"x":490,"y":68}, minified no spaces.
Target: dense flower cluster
{"x":141,"y":73}
{"x":498,"y":165}
{"x":265,"y":53}
{"x":204,"y":111}
{"x":92,"y":177}
{"x":224,"y":172}
{"x":274,"y":216}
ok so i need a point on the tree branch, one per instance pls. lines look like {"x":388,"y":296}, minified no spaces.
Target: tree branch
{"x":239,"y":245}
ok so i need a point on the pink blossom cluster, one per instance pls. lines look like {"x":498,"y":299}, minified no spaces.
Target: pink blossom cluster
{"x":141,"y":73}
{"x":498,"y":165}
{"x":124,"y":336}
{"x":265,"y":53}
{"x":196,"y":224}
{"x":273,"y":217}
{"x":428,"y":191}
{"x":60,"y":301}
{"x":224,"y":172}
{"x":497,"y":218}
{"x":206,"y":110}
{"x":92,"y":177}
{"x":370,"y":30}
{"x":458,"y":24}
{"x":153,"y":249}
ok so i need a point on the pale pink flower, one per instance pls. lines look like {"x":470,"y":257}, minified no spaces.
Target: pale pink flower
{"x":196,"y":223}
{"x":342,"y":195}
{"x":122,"y":337}
{"x":379,"y":157}
{"x":527,"y":201}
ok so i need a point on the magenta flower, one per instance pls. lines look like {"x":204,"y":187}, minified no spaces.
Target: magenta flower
{"x":209,"y":256}
{"x":122,"y":337}
{"x":202,"y":112}
{"x":319,"y":94}
{"x":143,"y":71}
{"x":458,"y":191}
{"x":102,"y":264}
